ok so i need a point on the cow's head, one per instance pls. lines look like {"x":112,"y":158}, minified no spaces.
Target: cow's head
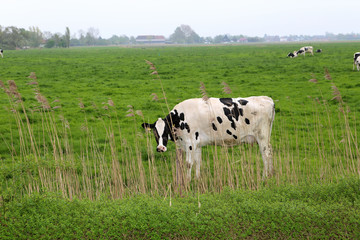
{"x":161,"y":131}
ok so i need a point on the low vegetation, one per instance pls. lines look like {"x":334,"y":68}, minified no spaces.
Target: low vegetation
{"x":327,"y":211}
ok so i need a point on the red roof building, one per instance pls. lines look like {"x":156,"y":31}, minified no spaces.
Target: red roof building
{"x":150,"y":39}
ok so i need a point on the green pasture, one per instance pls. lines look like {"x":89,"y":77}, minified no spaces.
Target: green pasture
{"x":75,"y":162}
{"x":95,"y":75}
{"x":97,"y":98}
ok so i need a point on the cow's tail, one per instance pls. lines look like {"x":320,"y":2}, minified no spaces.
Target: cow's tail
{"x":272,"y":116}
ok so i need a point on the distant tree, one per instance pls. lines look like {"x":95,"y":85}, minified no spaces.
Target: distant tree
{"x":132,"y":40}
{"x":50,"y":43}
{"x":67,"y":37}
{"x":47,"y":35}
{"x":193,"y":38}
{"x":75,"y":42}
{"x":82,"y":37}
{"x":208,"y":40}
{"x":178,"y":36}
{"x":118,"y":40}
{"x":256,"y":39}
{"x":91,"y":36}
{"x":35,"y":37}
{"x":218,"y":38}
{"x":58,"y":39}
{"x":185,"y":34}
{"x":13,"y":37}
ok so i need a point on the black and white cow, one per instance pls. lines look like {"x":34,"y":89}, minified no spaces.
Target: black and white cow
{"x":292,"y":54}
{"x":319,"y":51}
{"x":2,"y":53}
{"x":356,"y":61}
{"x":195,"y":123}
{"x":307,"y":49}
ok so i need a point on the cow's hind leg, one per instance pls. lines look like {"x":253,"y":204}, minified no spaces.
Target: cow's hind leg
{"x":189,"y":163}
{"x":267,"y":156}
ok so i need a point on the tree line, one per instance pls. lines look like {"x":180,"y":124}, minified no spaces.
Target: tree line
{"x":19,"y":38}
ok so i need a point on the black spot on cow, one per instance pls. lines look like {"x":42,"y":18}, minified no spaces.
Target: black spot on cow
{"x":230,"y":114}
{"x":235,"y":136}
{"x":190,"y":148}
{"x":247,"y":121}
{"x":219,"y":119}
{"x":227,"y":113}
{"x":182,"y":116}
{"x":214,"y":127}
{"x":182,"y":126}
{"x":226,"y":101}
{"x":243,"y":102}
{"x":228,"y":132}
{"x":236,"y":112}
{"x":196,"y":135}
{"x":187,"y":127}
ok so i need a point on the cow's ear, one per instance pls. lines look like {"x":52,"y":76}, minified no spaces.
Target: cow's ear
{"x":148,"y":126}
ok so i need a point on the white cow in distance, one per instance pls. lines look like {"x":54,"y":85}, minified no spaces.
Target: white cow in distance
{"x":356,"y":61}
{"x":195,"y":123}
{"x":306,"y":49}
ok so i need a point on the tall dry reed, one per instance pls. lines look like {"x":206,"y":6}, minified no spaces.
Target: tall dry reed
{"x":322,"y":146}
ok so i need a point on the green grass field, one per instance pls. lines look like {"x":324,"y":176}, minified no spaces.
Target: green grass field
{"x":75,"y":131}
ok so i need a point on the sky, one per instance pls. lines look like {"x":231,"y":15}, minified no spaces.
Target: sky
{"x":205,"y":17}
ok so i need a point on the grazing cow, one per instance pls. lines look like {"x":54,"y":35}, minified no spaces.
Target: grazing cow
{"x":307,"y":49}
{"x":195,"y":123}
{"x":300,"y":52}
{"x":292,"y":55}
{"x":356,"y":61}
{"x":2,"y":53}
{"x":319,"y":50}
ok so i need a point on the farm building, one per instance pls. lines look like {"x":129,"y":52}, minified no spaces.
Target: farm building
{"x":150,"y":39}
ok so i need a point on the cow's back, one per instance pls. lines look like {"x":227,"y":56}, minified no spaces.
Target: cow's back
{"x":225,"y":120}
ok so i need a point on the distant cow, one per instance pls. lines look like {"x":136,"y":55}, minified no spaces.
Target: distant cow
{"x":1,"y":52}
{"x":319,"y":50}
{"x":292,"y":54}
{"x":195,"y":123}
{"x":356,"y":61}
{"x":307,"y":49}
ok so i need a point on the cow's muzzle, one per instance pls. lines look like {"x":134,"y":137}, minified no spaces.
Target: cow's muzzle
{"x":161,"y":149}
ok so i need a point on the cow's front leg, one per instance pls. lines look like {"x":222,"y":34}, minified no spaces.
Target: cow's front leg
{"x":197,"y":157}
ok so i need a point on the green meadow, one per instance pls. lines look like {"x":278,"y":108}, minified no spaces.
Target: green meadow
{"x":71,"y":141}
